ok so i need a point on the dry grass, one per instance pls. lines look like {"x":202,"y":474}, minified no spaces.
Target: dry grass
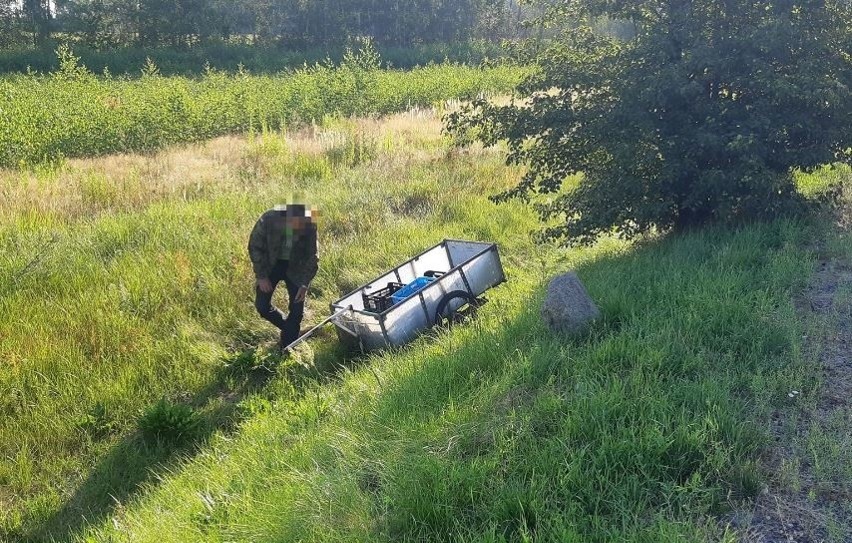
{"x":126,"y":182}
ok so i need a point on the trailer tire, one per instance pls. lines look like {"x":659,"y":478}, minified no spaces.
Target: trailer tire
{"x":445,"y":302}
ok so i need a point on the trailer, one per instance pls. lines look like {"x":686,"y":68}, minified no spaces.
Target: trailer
{"x":410,"y":299}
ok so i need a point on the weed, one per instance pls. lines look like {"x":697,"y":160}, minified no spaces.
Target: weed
{"x":98,"y":422}
{"x":169,"y":423}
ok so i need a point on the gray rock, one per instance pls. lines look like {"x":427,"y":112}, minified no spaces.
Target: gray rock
{"x":567,"y":308}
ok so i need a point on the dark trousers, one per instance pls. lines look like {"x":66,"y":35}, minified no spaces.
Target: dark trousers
{"x":288,"y":325}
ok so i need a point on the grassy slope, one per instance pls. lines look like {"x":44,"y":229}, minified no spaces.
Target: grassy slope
{"x":144,"y":287}
{"x":492,"y":431}
{"x":499,"y":431}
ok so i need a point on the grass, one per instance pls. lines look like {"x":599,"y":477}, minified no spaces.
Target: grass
{"x":128,"y":291}
{"x":810,"y":465}
{"x":73,"y":113}
{"x":126,"y":281}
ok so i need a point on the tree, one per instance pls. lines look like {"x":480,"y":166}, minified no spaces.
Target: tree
{"x":228,"y":18}
{"x":702,"y":115}
{"x":9,"y":23}
{"x":37,"y":15}
{"x":91,"y":20}
{"x":289,"y":23}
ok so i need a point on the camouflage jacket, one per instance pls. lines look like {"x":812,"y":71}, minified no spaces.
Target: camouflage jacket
{"x":265,"y":245}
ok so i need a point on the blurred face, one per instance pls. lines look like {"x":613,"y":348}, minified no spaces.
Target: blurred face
{"x":298,"y":218}
{"x":298,"y":223}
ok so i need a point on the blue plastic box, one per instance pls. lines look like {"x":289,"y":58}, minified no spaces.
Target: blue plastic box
{"x":411,"y":289}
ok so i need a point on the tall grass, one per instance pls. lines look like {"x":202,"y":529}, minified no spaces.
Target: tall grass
{"x":73,"y":113}
{"x":642,"y":431}
{"x":128,"y":297}
{"x":125,"y":281}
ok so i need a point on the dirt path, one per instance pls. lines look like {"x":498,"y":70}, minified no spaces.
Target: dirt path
{"x":809,"y":495}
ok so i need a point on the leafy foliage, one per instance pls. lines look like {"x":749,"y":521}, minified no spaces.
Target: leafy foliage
{"x":182,"y":23}
{"x":701,"y":116}
{"x":72,"y":112}
{"x":98,"y":421}
{"x":231,"y":57}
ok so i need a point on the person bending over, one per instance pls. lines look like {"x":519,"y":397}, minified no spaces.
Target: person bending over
{"x":283,"y":247}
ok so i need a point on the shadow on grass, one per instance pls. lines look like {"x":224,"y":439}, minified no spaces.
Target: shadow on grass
{"x":136,"y":461}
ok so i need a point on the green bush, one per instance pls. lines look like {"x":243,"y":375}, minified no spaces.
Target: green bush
{"x":702,"y":116}
{"x":233,"y":57}
{"x":73,"y":113}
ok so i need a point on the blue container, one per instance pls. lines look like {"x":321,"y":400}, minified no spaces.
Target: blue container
{"x":411,"y":289}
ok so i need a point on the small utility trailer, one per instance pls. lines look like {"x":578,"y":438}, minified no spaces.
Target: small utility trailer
{"x":408,"y":300}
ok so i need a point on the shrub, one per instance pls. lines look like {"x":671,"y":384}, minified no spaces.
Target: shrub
{"x":233,"y":57}
{"x":702,"y":116}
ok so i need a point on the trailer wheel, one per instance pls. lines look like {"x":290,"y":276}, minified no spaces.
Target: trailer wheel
{"x":445,"y":302}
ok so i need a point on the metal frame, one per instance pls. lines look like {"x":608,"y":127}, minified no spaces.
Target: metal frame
{"x":456,"y":267}
{"x":381,"y":318}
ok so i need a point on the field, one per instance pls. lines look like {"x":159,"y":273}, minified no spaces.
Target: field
{"x":127,"y":298}
{"x":73,"y":113}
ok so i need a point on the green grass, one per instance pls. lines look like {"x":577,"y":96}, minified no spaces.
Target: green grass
{"x":823,"y":180}
{"x":130,"y":291}
{"x":73,"y":113}
{"x":499,"y":431}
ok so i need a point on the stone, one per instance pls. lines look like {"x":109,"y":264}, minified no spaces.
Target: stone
{"x":567,"y":308}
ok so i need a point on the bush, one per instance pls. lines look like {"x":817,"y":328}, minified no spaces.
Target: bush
{"x":702,"y":116}
{"x":232,"y":57}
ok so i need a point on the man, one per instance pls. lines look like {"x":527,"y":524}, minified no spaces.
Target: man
{"x":283,"y":247}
